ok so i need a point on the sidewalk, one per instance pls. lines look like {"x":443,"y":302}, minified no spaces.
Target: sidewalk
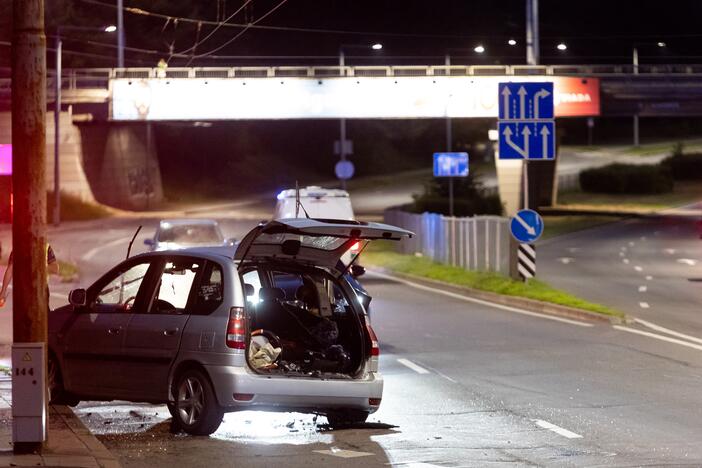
{"x":70,"y":443}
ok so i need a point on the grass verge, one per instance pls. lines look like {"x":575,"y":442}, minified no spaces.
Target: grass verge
{"x":381,"y":255}
{"x":683,"y":192}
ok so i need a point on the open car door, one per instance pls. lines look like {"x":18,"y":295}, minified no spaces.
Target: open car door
{"x":313,"y":242}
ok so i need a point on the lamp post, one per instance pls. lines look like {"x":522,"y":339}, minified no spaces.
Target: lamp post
{"x":635,"y":63}
{"x":342,"y":72}
{"x":57,"y":113}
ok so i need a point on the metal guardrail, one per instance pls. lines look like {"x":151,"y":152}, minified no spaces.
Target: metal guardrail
{"x":473,"y":243}
{"x":84,"y":78}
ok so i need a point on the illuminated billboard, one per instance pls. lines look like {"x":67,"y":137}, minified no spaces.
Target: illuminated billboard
{"x":348,"y":97}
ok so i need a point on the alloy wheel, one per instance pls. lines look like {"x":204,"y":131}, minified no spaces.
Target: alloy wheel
{"x":191,"y":400}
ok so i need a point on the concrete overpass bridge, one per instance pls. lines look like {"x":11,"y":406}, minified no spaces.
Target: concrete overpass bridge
{"x":107,"y":150}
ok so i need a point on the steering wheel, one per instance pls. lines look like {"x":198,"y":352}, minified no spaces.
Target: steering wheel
{"x":126,"y":304}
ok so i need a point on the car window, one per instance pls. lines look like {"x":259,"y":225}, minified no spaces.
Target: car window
{"x":253,"y":279}
{"x":174,"y":285}
{"x":210,"y":292}
{"x":288,"y":282}
{"x":190,"y":234}
{"x":123,"y":289}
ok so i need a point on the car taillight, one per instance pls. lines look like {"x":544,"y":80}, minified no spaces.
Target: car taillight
{"x":375,"y":349}
{"x":356,"y":247}
{"x":236,"y":328}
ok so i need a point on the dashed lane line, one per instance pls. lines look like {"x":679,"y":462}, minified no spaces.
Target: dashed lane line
{"x":644,"y":305}
{"x":667,"y":331}
{"x":643,"y":288}
{"x":658,"y":337}
{"x":557,"y":429}
{"x":478,"y":301}
{"x":638,"y":268}
{"x":649,"y":278}
{"x":407,"y":363}
{"x":687,"y":261}
{"x":625,"y":261}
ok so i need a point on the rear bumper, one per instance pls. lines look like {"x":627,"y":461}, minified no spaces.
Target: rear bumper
{"x":293,"y":393}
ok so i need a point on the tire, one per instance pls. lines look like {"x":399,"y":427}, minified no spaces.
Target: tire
{"x":57,"y":394}
{"x":196,"y":409}
{"x":346,"y":417}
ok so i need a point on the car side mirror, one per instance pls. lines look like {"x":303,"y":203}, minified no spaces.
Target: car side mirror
{"x":231,"y":241}
{"x":78,"y":297}
{"x":149,"y":242}
{"x":358,"y":270}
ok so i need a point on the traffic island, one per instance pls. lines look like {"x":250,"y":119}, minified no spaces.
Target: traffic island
{"x":70,"y":443}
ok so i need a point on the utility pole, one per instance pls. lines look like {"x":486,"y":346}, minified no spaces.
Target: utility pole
{"x":342,"y":121}
{"x":57,"y":131}
{"x":29,"y":294}
{"x":120,"y":34}
{"x":532,"y":32}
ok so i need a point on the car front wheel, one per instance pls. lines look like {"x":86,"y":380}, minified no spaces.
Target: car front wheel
{"x":196,"y":409}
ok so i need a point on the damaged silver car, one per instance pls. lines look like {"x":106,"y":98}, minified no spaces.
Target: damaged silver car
{"x":275,"y":325}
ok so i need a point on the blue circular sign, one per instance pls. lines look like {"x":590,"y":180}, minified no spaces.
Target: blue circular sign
{"x":344,"y":170}
{"x":527,"y":226}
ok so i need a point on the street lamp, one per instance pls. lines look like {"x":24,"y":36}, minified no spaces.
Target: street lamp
{"x":342,"y":122}
{"x":512,"y":42}
{"x":635,"y":63}
{"x":57,"y":112}
{"x":562,"y":47}
{"x":479,"y":49}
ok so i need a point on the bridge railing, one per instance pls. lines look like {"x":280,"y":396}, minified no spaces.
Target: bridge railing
{"x":91,"y":78}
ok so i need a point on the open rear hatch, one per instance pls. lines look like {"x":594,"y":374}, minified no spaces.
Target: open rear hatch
{"x":304,"y":315}
{"x":311,"y":242}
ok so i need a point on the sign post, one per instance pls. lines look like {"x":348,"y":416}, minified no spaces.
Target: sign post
{"x":527,"y":132}
{"x":451,"y":165}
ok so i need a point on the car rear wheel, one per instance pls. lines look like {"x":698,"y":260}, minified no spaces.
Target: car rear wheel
{"x":196,"y":409}
{"x":346,"y":417}
{"x":57,"y":394}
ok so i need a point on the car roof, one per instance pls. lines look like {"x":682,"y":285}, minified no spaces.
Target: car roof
{"x":188,"y":221}
{"x":216,"y":253}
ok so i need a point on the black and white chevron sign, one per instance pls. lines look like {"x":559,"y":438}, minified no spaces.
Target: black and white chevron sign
{"x":526,"y":261}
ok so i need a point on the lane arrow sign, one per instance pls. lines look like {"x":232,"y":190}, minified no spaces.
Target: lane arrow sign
{"x":526,"y":133}
{"x":507,"y":132}
{"x":506,"y":93}
{"x":525,"y":225}
{"x":542,"y":93}
{"x":544,"y":141}
{"x":522,"y":108}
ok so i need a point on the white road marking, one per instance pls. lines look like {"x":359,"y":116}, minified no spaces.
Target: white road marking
{"x":413,"y":366}
{"x":623,"y":249}
{"x":59,"y":295}
{"x":643,"y":288}
{"x":566,"y":260}
{"x":658,"y":337}
{"x":638,"y":268}
{"x":101,"y":248}
{"x":622,"y":254}
{"x":479,"y":301}
{"x":337,"y":452}
{"x":643,"y":238}
{"x":631,"y":244}
{"x":649,"y":278}
{"x":669,"y":251}
{"x":573,"y":249}
{"x":687,"y":261}
{"x":668,"y":331}
{"x":644,"y":305}
{"x":625,"y":261}
{"x":557,"y":429}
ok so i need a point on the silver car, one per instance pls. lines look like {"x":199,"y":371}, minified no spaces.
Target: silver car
{"x":274,"y":325}
{"x":173,"y":234}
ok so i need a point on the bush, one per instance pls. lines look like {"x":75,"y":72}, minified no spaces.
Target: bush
{"x":468,"y":198}
{"x":627,"y":178}
{"x":684,"y":166}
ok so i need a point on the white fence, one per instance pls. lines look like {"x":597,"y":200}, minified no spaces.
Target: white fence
{"x":474,"y":243}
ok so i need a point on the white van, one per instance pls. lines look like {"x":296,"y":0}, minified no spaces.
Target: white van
{"x":319,"y":203}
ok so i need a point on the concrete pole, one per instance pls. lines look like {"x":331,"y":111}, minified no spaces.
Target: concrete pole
{"x":29,"y":293}
{"x":532,"y":32}
{"x":342,"y":122}
{"x":57,"y":132}
{"x":635,"y":60}
{"x":120,"y":33}
{"x":636,"y":130}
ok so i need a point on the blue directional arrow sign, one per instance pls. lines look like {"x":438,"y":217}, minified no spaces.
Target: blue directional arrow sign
{"x":526,"y":226}
{"x":526,"y":127}
{"x":450,"y":164}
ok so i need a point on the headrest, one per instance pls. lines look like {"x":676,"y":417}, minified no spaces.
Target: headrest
{"x":269,"y":294}
{"x":304,"y":292}
{"x":249,"y":289}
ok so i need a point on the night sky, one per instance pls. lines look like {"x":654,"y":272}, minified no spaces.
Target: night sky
{"x":411,"y":31}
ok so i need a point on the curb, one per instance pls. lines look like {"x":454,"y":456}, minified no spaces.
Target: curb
{"x":102,"y":455}
{"x":531,"y":305}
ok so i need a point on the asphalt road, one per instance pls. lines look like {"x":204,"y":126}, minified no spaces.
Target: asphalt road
{"x":649,"y":268}
{"x":466,"y":385}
